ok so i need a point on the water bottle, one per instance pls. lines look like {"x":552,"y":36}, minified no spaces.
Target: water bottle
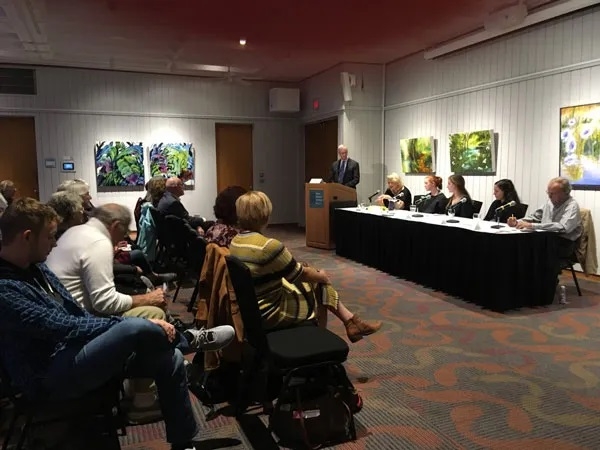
{"x":563,"y":295}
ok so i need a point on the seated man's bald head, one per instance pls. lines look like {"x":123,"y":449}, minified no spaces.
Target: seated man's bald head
{"x":174,"y":182}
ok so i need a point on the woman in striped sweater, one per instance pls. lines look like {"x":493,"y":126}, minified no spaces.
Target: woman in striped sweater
{"x":289,"y":293}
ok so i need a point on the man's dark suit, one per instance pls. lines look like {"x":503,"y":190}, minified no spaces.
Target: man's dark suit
{"x":170,"y":205}
{"x":351,"y":174}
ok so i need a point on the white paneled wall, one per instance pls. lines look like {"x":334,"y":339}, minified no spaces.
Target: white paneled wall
{"x":515,"y":86}
{"x":361,"y":133}
{"x":75,"y":108}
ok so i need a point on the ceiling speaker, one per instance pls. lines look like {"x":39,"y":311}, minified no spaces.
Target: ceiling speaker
{"x":346,"y":80}
{"x":506,"y":18}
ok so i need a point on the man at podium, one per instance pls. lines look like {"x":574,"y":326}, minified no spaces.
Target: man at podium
{"x":345,"y":170}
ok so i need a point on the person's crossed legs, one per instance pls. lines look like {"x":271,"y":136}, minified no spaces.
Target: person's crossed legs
{"x":137,"y":348}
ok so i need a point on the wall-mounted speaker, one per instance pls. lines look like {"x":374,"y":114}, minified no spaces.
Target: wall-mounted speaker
{"x":347,"y":81}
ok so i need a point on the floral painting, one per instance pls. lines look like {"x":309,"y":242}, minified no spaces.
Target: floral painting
{"x":119,"y":164}
{"x":580,"y":145}
{"x":173,"y":160}
{"x":473,"y":153}
{"x":417,"y":155}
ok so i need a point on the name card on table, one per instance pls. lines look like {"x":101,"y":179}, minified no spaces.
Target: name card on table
{"x":316,"y":198}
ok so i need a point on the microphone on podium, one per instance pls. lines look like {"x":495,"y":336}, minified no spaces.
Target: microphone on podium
{"x":373,"y":195}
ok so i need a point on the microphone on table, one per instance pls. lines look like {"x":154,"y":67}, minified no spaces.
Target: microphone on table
{"x":462,"y":200}
{"x":507,"y":205}
{"x":422,"y":199}
{"x":373,"y":195}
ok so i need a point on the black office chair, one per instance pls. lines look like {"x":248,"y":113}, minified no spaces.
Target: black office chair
{"x":289,"y":351}
{"x":197,"y":253}
{"x":521,"y":210}
{"x":98,"y":404}
{"x":477,"y":206}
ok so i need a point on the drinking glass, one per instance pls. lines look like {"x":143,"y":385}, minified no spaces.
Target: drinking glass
{"x":451,"y":213}
{"x":413,"y":208}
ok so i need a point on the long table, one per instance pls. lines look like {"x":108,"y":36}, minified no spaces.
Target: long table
{"x":497,"y":269}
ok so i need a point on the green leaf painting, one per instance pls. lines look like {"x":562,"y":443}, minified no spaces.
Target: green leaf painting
{"x":172,"y":160}
{"x":580,"y":145}
{"x":473,"y":153}
{"x":417,"y":155}
{"x":119,"y":164}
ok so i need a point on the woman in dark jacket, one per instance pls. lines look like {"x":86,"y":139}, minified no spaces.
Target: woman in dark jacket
{"x":460,"y":202}
{"x":504,"y":192}
{"x":435,"y":201}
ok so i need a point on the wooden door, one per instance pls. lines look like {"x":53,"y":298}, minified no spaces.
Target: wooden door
{"x":234,"y":155}
{"x":18,"y":155}
{"x":320,"y":148}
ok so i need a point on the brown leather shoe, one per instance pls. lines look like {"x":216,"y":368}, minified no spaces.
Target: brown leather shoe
{"x":356,"y":328}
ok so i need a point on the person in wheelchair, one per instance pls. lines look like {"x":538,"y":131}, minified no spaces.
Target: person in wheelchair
{"x":289,"y":293}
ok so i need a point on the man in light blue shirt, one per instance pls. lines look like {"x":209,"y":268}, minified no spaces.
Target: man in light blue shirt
{"x":559,"y":214}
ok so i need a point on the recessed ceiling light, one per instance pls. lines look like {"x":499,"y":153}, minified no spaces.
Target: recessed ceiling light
{"x":242,"y":41}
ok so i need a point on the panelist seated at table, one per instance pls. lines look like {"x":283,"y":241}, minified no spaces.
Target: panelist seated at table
{"x":460,"y":201}
{"x":397,"y":192}
{"x":504,"y":194}
{"x":434,"y":202}
{"x":559,"y":214}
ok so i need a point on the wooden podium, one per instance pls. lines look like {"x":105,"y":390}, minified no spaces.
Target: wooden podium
{"x":320,"y":200}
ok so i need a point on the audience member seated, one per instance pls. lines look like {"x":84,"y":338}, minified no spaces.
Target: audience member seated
{"x":147,"y":237}
{"x":396,"y":192}
{"x":434,"y":202}
{"x":504,"y":192}
{"x":81,"y":188}
{"x":83,"y":261}
{"x":69,"y":207}
{"x":52,"y":348}
{"x":148,"y":198}
{"x":225,"y":229}
{"x":559,"y":214}
{"x":170,"y":205}
{"x":460,"y":201}
{"x":8,"y":192}
{"x":288,"y":292}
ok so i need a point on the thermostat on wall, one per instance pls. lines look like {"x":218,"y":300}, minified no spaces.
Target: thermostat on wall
{"x":68,"y":166}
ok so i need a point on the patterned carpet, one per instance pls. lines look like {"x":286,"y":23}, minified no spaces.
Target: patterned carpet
{"x":443,"y":374}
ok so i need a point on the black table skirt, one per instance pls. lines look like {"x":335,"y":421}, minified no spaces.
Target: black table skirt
{"x":497,"y":271}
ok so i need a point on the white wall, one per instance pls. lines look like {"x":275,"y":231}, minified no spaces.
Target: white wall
{"x":75,"y":108}
{"x":515,"y":85}
{"x":359,"y":121}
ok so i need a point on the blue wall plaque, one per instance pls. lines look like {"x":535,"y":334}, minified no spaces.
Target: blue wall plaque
{"x":316,"y":198}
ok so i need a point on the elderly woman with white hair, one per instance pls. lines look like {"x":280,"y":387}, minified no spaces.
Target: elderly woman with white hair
{"x":81,"y":188}
{"x":396,"y":192}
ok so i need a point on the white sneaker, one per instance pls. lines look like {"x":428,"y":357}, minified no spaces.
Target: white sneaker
{"x":210,"y":339}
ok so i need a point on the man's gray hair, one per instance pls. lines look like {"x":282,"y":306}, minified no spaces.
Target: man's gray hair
{"x":66,"y":204}
{"x":563,"y":182}
{"x":113,"y":212}
{"x":79,"y":186}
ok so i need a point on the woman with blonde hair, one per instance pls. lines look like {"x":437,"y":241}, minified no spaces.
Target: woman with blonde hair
{"x":460,"y":201}
{"x":289,"y":293}
{"x":396,"y":192}
{"x":434,"y":202}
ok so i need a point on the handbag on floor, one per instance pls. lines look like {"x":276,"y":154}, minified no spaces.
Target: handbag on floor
{"x":314,"y":412}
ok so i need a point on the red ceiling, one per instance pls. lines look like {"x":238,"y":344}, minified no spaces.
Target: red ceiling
{"x":287,"y":39}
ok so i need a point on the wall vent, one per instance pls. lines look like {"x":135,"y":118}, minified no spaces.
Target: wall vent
{"x":17,"y":81}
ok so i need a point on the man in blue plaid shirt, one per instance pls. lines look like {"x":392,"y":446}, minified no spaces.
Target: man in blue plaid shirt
{"x":53,"y":348}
